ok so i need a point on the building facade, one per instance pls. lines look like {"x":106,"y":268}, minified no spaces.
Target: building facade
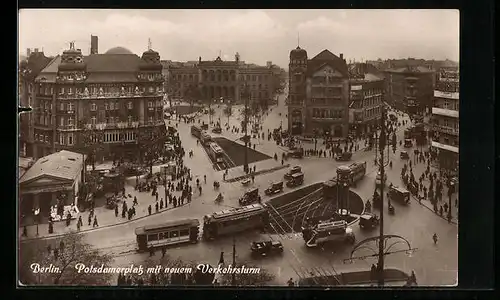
{"x":115,"y":95}
{"x":410,"y":89}
{"x":318,"y":98}
{"x":445,"y":119}
{"x":28,"y":71}
{"x":219,"y":79}
{"x":367,"y":87}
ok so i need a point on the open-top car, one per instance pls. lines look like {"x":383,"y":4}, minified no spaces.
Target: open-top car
{"x":294,"y":170}
{"x":217,"y":130}
{"x":367,"y":220}
{"x":265,"y":248}
{"x":408,"y":143}
{"x":274,"y":188}
{"x":404,"y":155}
{"x":344,"y":156}
{"x":296,"y":180}
{"x":251,"y":196}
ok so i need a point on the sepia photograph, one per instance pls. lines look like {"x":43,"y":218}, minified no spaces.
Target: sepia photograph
{"x":273,"y":147}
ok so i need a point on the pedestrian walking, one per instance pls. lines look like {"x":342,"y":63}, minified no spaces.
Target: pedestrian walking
{"x":163,"y":251}
{"x":149,"y":209}
{"x":205,"y":178}
{"x":435,"y":238}
{"x":116,"y":210}
{"x":90,"y":219}
{"x":156,"y":207}
{"x":95,"y":222}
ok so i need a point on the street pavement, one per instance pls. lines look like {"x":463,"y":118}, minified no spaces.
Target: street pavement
{"x":433,"y":264}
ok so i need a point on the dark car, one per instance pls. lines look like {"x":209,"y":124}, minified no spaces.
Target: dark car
{"x":368,"y":220}
{"x":204,"y":127}
{"x":297,"y":153}
{"x":217,"y":130}
{"x":296,"y":180}
{"x":266,"y":248}
{"x":404,"y":155}
{"x":344,"y":156}
{"x":275,"y":188}
{"x":408,"y":143}
{"x":294,"y":170}
{"x":399,"y":194}
{"x":250,"y":196}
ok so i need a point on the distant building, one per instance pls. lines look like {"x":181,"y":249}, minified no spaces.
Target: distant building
{"x":410,"y":89}
{"x":318,"y":94}
{"x":220,"y":79}
{"x":116,"y":94}
{"x":366,"y":97}
{"x":94,"y":45}
{"x":28,"y":71}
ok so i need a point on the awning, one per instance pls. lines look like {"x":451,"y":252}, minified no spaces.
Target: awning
{"x":445,"y":112}
{"x":445,"y":147}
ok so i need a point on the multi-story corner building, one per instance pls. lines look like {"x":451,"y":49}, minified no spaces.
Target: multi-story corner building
{"x":318,"y":94}
{"x":218,"y":78}
{"x":445,"y":119}
{"x":116,"y":94}
{"x":410,"y":89}
{"x":367,"y":95}
{"x":28,"y":71}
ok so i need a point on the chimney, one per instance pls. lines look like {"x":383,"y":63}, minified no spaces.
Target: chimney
{"x":94,"y":44}
{"x":341,"y":55}
{"x":28,"y":52}
{"x":36,"y":50}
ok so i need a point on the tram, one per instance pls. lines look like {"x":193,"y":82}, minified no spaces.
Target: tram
{"x":323,"y":231}
{"x":254,"y":216}
{"x":357,"y":171}
{"x":215,"y":152}
{"x":205,"y":138}
{"x":168,"y":233}
{"x":196,"y":131}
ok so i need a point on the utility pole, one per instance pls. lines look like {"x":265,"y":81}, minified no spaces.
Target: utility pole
{"x":382,"y":138}
{"x":233,"y":275}
{"x":165,"y":184}
{"x":247,"y":138}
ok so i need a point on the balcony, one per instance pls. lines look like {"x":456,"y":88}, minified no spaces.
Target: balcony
{"x":111,"y":95}
{"x":445,"y":129}
{"x":118,"y":125}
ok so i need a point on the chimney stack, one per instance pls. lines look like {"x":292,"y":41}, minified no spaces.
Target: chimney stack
{"x":341,"y":55}
{"x":28,"y":52}
{"x":94,"y":44}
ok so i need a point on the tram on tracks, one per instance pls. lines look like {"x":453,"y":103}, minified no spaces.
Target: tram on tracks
{"x":205,"y":138}
{"x":355,"y":171}
{"x":254,"y":216}
{"x":168,"y":233}
{"x":318,"y":232}
{"x":215,"y":152}
{"x":196,"y":131}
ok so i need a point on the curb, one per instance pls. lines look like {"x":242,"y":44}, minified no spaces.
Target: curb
{"x":100,"y":227}
{"x":432,"y":210}
{"x":234,"y":179}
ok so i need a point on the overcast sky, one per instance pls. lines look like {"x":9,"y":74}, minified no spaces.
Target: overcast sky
{"x":258,"y":35}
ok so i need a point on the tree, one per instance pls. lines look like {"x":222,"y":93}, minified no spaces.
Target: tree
{"x":74,"y":251}
{"x":151,"y":145}
{"x":192,"y":93}
{"x":91,"y":142}
{"x":228,"y":111}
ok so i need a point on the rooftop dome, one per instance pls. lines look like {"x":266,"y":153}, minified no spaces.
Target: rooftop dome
{"x":298,"y":53}
{"x":118,"y":50}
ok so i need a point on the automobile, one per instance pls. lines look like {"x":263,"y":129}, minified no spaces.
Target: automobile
{"x":204,"y":126}
{"x":296,"y":169}
{"x":408,"y":143}
{"x":217,"y":130}
{"x":265,"y":248}
{"x":368,"y":221}
{"x":250,"y":196}
{"x":399,"y":194}
{"x":296,"y":180}
{"x":404,"y":155}
{"x":378,"y":179}
{"x":344,"y":156}
{"x":274,"y":188}
{"x":297,"y":153}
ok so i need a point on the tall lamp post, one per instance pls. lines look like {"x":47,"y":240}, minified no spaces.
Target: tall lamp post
{"x":37,"y":218}
{"x":382,"y":240}
{"x":246,"y":96}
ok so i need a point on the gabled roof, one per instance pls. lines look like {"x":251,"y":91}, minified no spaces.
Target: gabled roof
{"x":63,"y":164}
{"x":35,"y":63}
{"x":326,"y":57}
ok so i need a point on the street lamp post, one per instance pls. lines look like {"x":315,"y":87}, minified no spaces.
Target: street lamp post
{"x":37,"y":215}
{"x":245,"y":128}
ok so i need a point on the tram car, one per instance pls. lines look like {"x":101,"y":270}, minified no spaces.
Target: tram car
{"x":231,"y":221}
{"x":166,"y":234}
{"x":196,"y":131}
{"x":317,"y":233}
{"x":205,"y":138}
{"x":354,"y":172}
{"x":215,"y":152}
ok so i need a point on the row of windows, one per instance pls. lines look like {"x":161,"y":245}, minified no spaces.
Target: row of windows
{"x":325,"y":80}
{"x":107,"y":90}
{"x":44,"y":119}
{"x":372,"y":101}
{"x":448,"y":104}
{"x":327,"y":113}
{"x":66,"y":139}
{"x":326,"y":101}
{"x":446,"y":122}
{"x":69,"y":121}
{"x":328,"y":92}
{"x":41,"y":138}
{"x":298,"y":61}
{"x":111,"y":120}
{"x":168,"y":235}
{"x":375,"y":111}
{"x":116,"y":136}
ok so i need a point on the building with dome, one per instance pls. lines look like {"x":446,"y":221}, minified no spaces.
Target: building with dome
{"x":116,"y":94}
{"x":318,"y":97}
